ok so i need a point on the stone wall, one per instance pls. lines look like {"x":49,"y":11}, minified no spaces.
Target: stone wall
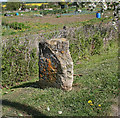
{"x":55,"y":64}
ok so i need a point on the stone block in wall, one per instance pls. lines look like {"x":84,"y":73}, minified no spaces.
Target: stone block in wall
{"x":55,"y":64}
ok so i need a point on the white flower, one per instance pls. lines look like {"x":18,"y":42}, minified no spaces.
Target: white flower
{"x":60,"y":112}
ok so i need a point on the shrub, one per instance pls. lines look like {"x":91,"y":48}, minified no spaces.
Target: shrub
{"x":18,"y":62}
{"x":15,"y":25}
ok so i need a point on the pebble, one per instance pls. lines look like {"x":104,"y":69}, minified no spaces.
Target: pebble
{"x":60,"y":112}
{"x":48,"y":108}
{"x":6,"y":92}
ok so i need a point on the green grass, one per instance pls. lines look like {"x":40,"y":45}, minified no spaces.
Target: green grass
{"x":98,"y":83}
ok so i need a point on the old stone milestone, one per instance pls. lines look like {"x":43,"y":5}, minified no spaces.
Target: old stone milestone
{"x":55,"y":64}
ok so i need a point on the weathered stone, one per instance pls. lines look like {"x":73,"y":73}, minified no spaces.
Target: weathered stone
{"x":55,"y":64}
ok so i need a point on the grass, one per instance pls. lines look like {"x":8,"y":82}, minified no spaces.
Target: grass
{"x":98,"y":83}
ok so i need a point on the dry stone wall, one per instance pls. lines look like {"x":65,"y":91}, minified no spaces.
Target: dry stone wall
{"x":55,"y":64}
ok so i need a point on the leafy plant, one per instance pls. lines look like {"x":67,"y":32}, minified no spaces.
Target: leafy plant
{"x":15,"y":25}
{"x":18,"y":62}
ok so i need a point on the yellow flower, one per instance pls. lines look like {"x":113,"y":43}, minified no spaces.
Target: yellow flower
{"x":91,"y":104}
{"x":90,"y":101}
{"x":99,"y":105}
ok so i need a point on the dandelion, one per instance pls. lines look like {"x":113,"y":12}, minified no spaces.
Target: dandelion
{"x":90,"y":102}
{"x":99,"y":105}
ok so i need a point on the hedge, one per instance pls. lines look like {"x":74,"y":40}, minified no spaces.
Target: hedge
{"x":20,"y":55}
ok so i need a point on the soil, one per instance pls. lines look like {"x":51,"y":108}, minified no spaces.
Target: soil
{"x":114,"y":108}
{"x":52,"y":19}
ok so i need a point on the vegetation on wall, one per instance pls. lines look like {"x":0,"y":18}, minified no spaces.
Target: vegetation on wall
{"x":19,"y":61}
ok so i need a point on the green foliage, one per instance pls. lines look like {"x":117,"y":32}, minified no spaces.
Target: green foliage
{"x":91,"y":41}
{"x":15,"y":25}
{"x":18,"y":62}
{"x":52,"y":5}
{"x":54,"y":11}
{"x":12,"y":5}
{"x":97,"y":44}
{"x":86,"y":47}
{"x":58,"y":16}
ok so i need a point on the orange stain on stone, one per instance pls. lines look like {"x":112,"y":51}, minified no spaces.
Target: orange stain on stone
{"x":44,"y":70}
{"x":52,"y":79}
{"x":50,"y":65}
{"x":49,"y":71}
{"x":41,"y":75}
